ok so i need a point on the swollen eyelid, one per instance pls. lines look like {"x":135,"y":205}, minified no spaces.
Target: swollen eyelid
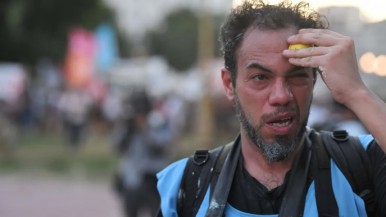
{"x":304,"y":75}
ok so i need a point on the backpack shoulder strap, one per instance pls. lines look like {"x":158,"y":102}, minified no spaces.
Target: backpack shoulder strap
{"x":352,"y":159}
{"x":296,"y":190}
{"x":197,"y":175}
{"x":325,"y":200}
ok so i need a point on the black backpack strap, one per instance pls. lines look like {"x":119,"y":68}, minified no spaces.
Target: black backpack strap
{"x":352,"y":159}
{"x":197,"y":175}
{"x":294,"y":198}
{"x":219,"y":166}
{"x":221,"y":191}
{"x":325,"y":199}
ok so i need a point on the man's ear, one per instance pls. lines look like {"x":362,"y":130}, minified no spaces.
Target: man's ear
{"x":227,"y":83}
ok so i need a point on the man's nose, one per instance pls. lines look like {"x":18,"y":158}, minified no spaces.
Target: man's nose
{"x":281,"y":93}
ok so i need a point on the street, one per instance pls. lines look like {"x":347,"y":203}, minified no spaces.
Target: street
{"x":31,"y":196}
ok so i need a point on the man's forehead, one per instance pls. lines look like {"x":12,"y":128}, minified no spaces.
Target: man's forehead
{"x":273,"y":40}
{"x":292,"y":68}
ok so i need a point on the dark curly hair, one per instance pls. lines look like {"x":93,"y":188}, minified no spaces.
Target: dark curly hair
{"x":258,"y":14}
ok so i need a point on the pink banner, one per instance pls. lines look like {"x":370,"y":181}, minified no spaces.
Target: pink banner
{"x":79,"y":63}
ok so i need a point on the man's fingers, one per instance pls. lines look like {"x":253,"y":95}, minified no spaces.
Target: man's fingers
{"x":320,"y":31}
{"x":316,"y":38}
{"x":311,"y":51}
{"x":308,"y":61}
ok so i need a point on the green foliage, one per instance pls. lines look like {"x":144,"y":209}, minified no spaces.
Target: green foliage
{"x":48,"y":154}
{"x":33,"y":29}
{"x":176,"y":39}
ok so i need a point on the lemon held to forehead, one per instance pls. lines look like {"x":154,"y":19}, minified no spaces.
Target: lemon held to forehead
{"x":298,"y":46}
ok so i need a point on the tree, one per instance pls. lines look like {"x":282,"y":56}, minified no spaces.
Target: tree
{"x":33,"y":29}
{"x":177,"y":39}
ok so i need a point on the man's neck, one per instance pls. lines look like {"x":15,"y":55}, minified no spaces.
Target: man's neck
{"x":270,"y":174}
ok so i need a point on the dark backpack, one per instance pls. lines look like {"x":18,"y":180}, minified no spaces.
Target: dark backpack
{"x":204,"y":167}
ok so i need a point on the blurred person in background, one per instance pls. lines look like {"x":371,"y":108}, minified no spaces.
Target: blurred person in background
{"x":112,"y":108}
{"x":47,"y":87}
{"x":342,"y":118}
{"x":7,"y":129}
{"x":74,"y":106}
{"x":346,"y":119}
{"x":143,"y":142}
{"x":25,"y":111}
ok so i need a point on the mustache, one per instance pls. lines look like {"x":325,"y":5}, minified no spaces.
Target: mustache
{"x":278,"y":111}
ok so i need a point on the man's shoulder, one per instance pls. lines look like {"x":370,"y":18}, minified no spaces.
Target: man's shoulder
{"x":178,"y":166}
{"x":169,"y":180}
{"x":173,"y":168}
{"x":366,"y":140}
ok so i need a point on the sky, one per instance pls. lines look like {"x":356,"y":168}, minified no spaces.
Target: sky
{"x":135,"y":17}
{"x":372,"y":10}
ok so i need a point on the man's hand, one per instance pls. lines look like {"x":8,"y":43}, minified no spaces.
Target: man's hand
{"x":334,"y":57}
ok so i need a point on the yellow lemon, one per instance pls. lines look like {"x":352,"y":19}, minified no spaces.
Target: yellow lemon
{"x":298,"y":46}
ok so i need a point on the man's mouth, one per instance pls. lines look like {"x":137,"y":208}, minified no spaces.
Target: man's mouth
{"x":282,"y":122}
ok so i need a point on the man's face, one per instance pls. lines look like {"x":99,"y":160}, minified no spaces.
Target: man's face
{"x":271,"y":96}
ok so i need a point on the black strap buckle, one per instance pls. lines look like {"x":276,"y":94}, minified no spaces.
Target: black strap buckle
{"x":200,"y":157}
{"x":340,"y":135}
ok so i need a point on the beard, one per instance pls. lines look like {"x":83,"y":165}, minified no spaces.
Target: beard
{"x":282,"y":146}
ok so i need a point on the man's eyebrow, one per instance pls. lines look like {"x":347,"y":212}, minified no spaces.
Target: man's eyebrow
{"x":296,"y":68}
{"x":258,"y":66}
{"x":262,"y":68}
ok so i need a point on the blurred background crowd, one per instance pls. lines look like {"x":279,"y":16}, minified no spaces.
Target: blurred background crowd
{"x":112,"y":91}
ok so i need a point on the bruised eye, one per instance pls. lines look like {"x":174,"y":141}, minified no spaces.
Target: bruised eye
{"x":299,"y":79}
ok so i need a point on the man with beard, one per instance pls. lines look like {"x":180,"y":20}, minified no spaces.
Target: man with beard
{"x":271,"y":87}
